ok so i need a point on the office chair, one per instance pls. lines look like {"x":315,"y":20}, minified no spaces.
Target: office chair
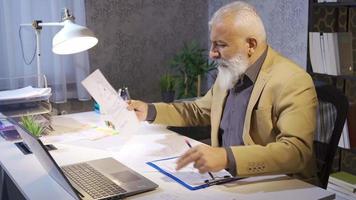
{"x":331,"y":116}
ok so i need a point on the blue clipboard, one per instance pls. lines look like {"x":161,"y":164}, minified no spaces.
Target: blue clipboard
{"x":205,"y":183}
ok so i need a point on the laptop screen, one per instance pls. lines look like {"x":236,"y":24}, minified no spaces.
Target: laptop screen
{"x":46,"y":160}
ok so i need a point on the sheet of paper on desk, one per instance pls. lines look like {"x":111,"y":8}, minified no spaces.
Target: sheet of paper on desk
{"x":92,"y":133}
{"x":112,"y":107}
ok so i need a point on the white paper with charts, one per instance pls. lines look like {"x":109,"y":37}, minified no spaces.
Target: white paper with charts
{"x":112,"y":107}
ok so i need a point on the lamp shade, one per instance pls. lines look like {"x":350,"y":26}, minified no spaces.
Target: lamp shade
{"x":73,"y":38}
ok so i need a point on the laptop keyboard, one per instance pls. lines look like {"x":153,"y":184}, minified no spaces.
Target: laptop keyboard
{"x":92,"y":181}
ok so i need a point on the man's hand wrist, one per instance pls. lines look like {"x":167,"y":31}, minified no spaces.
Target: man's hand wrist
{"x":225,"y":157}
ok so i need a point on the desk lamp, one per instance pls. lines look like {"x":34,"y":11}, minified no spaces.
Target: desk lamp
{"x":72,"y":38}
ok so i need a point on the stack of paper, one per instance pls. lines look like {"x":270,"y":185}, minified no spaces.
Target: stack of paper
{"x":24,"y":93}
{"x":343,"y":184}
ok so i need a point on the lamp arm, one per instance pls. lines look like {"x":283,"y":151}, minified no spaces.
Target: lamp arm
{"x":51,"y":24}
{"x":37,"y":25}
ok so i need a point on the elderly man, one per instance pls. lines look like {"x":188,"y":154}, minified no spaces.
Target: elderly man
{"x":262,"y":107}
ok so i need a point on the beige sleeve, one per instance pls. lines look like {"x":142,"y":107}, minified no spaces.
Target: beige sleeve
{"x":190,"y":113}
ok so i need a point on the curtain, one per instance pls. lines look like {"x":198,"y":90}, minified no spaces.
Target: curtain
{"x":64,"y":72}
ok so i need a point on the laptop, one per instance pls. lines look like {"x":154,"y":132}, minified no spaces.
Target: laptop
{"x":104,"y":178}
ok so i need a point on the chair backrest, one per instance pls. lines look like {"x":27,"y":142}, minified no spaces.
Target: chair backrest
{"x":331,"y":116}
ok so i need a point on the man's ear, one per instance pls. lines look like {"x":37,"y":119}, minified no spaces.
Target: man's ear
{"x":252,"y":45}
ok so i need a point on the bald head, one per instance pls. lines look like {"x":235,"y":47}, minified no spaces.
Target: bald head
{"x":238,"y":39}
{"x":242,"y":17}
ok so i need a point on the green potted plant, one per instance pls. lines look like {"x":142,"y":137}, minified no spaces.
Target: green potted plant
{"x":33,"y":127}
{"x":167,"y":85}
{"x":191,"y":63}
{"x":29,"y":122}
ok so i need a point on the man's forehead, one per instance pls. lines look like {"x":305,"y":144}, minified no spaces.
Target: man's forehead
{"x":221,"y":29}
{"x":226,"y":18}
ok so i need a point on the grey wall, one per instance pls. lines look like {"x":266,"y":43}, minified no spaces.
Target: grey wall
{"x":137,"y":38}
{"x":286,"y":24}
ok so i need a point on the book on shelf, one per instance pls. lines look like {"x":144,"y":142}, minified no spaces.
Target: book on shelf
{"x":322,"y":40}
{"x":345,"y":52}
{"x":344,"y":180}
{"x":344,"y":141}
{"x":327,"y":1}
{"x":315,"y":50}
{"x":332,"y":61}
{"x":351,"y":118}
{"x":341,"y":192}
{"x":331,"y":53}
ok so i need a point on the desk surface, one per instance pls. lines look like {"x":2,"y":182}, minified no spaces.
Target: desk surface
{"x":151,"y":142}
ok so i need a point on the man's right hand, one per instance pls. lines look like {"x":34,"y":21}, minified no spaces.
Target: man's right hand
{"x":139,"y":107}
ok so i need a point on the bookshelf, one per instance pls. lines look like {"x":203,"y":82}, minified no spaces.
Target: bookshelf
{"x":331,"y":17}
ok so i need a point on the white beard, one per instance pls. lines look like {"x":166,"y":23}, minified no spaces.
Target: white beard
{"x":231,"y":70}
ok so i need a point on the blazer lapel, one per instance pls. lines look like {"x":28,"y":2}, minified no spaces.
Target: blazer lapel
{"x":255,"y":95}
{"x":260,"y":83}
{"x":218,"y":106}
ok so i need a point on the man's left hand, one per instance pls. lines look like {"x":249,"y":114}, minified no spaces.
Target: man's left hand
{"x":205,"y":158}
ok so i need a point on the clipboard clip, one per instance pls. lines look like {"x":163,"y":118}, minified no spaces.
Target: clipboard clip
{"x":221,"y":180}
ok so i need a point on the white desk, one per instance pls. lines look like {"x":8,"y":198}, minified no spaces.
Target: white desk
{"x":150,"y":143}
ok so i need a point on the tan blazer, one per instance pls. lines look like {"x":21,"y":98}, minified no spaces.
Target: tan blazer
{"x":279,"y":124}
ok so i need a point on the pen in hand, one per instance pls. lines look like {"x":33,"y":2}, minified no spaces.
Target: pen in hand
{"x":190,"y":146}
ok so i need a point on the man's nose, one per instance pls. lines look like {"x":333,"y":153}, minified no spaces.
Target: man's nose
{"x":214,"y":54}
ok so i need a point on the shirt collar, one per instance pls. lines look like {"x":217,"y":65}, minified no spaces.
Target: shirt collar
{"x":254,"y":69}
